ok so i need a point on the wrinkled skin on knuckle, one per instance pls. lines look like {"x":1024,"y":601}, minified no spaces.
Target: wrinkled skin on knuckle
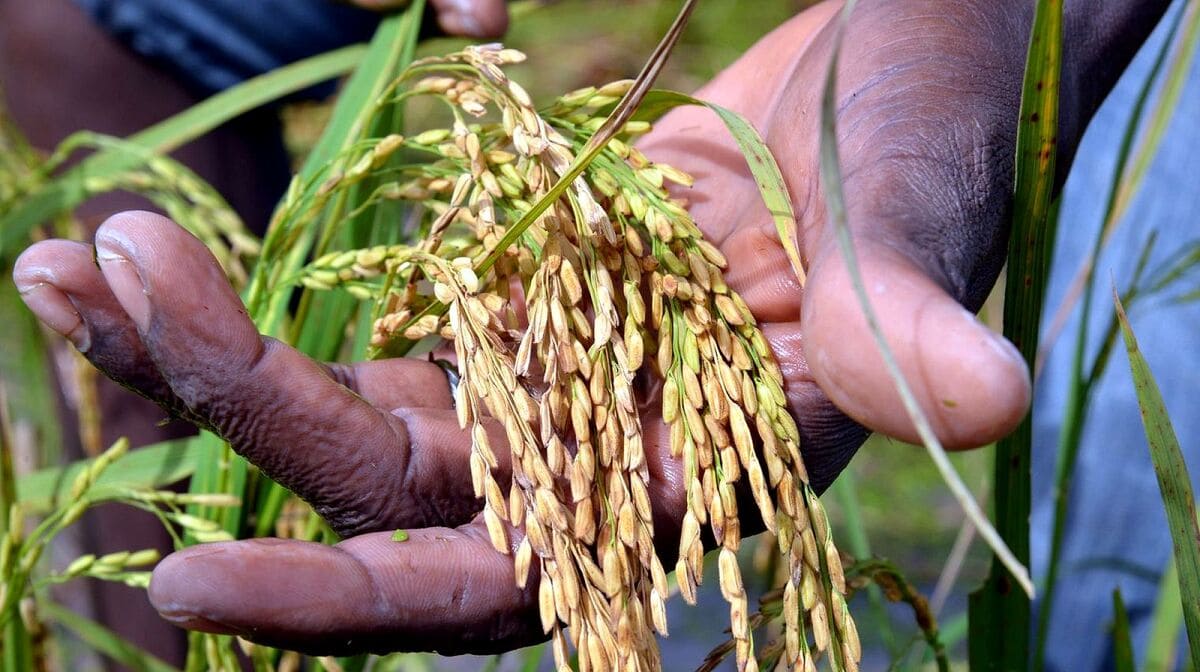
{"x":253,"y":418}
{"x":118,"y":353}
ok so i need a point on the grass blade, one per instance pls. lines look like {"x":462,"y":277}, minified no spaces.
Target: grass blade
{"x":1173,"y":481}
{"x":831,"y":180}
{"x":24,"y":362}
{"x":1132,"y":166}
{"x":1079,"y":394}
{"x":105,"y":641}
{"x":66,"y":191}
{"x":1176,"y":80}
{"x":1122,"y":643}
{"x":999,"y":617}
{"x":386,"y":54}
{"x":1165,"y":625}
{"x":150,"y":467}
{"x":16,"y":645}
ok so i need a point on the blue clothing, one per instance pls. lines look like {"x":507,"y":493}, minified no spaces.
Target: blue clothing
{"x":214,"y":44}
{"x":1117,"y":532}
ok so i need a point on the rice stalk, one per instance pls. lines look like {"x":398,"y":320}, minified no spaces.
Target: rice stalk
{"x":186,"y":198}
{"x":616,"y":280}
{"x":51,"y":198}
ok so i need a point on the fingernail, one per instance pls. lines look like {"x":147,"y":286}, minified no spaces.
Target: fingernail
{"x":54,"y":309}
{"x":199,"y":624}
{"x":123,"y":280}
{"x":1006,"y":349}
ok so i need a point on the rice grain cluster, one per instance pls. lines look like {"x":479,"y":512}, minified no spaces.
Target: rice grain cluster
{"x":617,"y":282}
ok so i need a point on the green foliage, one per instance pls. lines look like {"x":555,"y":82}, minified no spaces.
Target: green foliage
{"x":1165,"y":624}
{"x":1133,"y":158}
{"x":150,"y":467}
{"x":104,"y":641}
{"x":999,"y":615}
{"x":1122,"y":643}
{"x":1173,"y":481}
{"x":48,"y":198}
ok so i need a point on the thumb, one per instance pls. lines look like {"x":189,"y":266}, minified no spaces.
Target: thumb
{"x":971,"y":383}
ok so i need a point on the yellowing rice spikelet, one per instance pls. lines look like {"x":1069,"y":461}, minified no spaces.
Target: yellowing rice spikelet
{"x":560,"y":378}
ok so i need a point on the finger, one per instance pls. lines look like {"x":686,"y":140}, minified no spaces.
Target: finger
{"x":928,"y":192}
{"x":971,"y":383}
{"x":279,"y":409}
{"x":444,"y":590}
{"x":828,"y":437}
{"x":395,"y":383}
{"x":61,"y":284}
{"x":472,"y":18}
{"x":437,"y":484}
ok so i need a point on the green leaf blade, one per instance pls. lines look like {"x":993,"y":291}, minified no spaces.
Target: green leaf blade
{"x":1165,"y":624}
{"x":150,"y":467}
{"x":1122,"y":642}
{"x":999,"y":616}
{"x":105,"y":641}
{"x":1173,"y":481}
{"x":66,"y":191}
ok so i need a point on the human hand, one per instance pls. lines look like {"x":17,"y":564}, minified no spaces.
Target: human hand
{"x":929,"y":95}
{"x":158,"y":316}
{"x":478,"y":19}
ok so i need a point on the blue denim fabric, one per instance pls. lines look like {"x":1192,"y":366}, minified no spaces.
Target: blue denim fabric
{"x":1117,"y":531}
{"x":214,"y":44}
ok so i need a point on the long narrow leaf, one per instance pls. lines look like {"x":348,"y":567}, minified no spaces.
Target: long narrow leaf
{"x":150,"y":467}
{"x":999,"y":616}
{"x":1132,"y":166}
{"x":104,"y":640}
{"x":1122,"y":642}
{"x":1173,"y":481}
{"x":1070,"y":438}
{"x":66,"y":191}
{"x":346,"y":126}
{"x":1165,"y":624}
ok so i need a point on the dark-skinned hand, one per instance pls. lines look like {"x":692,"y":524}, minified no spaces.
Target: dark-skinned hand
{"x":929,"y":95}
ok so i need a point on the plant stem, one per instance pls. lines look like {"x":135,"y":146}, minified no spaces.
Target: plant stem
{"x":1081,"y":382}
{"x":999,"y":613}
